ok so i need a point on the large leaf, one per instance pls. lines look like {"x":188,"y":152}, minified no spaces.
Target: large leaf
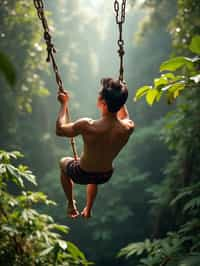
{"x":169,"y":76}
{"x":174,"y":90}
{"x":175,"y":63}
{"x":7,"y":69}
{"x":141,"y":91}
{"x":159,"y":82}
{"x":27,"y":174}
{"x":195,"y":44}
{"x":6,"y":156}
{"x":14,"y":175}
{"x":61,"y":228}
{"x":134,"y":249}
{"x":76,"y":253}
{"x":151,"y":96}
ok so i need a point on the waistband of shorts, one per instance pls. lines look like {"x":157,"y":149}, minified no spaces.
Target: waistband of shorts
{"x":109,"y":172}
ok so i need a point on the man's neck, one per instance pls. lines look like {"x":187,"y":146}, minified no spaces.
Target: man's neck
{"x":109,"y":115}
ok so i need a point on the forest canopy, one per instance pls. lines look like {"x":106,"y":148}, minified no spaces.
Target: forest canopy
{"x":148,"y":214}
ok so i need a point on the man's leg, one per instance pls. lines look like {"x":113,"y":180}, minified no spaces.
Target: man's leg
{"x":91,"y":192}
{"x":67,"y":185}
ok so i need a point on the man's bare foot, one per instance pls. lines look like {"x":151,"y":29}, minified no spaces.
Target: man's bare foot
{"x":72,"y":210}
{"x":86,"y":213}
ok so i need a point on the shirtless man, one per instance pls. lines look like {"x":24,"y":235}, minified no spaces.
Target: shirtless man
{"x":103,"y":140}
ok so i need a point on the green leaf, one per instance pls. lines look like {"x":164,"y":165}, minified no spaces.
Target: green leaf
{"x":189,"y":226}
{"x":6,"y":156}
{"x":159,"y":96}
{"x":141,"y":91}
{"x":2,"y":169}
{"x":7,"y":69}
{"x":75,"y":251}
{"x":169,"y":76}
{"x":134,"y":249}
{"x":160,"y":81}
{"x":175,"y":63}
{"x":27,"y":174}
{"x":46,"y":251}
{"x":196,"y":78}
{"x":62,"y":244}
{"x":174,"y":90}
{"x":14,"y":175}
{"x":151,"y":96}
{"x":16,"y":154}
{"x":9,"y":230}
{"x":195,"y":44}
{"x":61,"y":228}
{"x":180,"y":196}
{"x":192,"y":204}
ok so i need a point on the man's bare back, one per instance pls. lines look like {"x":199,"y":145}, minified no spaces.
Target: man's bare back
{"x":103,"y":140}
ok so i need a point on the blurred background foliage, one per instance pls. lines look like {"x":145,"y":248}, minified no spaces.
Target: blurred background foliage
{"x":158,"y":169}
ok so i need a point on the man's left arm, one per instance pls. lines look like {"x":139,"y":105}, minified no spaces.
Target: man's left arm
{"x":64,"y":127}
{"x":123,"y":114}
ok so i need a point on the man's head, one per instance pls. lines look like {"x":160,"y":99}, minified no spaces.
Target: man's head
{"x":113,"y":94}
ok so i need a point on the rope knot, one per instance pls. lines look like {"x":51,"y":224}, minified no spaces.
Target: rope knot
{"x":121,"y":52}
{"x":50,"y":47}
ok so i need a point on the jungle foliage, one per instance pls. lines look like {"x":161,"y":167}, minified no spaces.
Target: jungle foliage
{"x":153,"y":194}
{"x":175,"y":202}
{"x":28,"y":237}
{"x":172,"y":84}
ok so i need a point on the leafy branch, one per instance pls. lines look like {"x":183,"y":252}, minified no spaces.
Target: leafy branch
{"x":27,"y":236}
{"x":171,"y":84}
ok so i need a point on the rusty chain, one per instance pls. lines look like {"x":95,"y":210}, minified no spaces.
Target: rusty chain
{"x":39,"y":5}
{"x":120,"y":21}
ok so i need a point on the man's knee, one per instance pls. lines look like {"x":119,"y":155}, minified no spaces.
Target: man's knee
{"x":61,"y":163}
{"x":64,"y":161}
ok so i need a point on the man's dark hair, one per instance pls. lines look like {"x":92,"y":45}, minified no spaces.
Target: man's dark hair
{"x":114,"y":93}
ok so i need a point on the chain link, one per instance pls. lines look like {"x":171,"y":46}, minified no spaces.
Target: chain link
{"x":39,"y":5}
{"x":120,"y":21}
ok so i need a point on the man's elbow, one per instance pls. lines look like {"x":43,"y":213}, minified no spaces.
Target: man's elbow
{"x":59,"y":131}
{"x":132,"y":127}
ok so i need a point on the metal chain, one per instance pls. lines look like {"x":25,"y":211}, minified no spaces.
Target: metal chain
{"x":120,"y":21}
{"x":39,"y":5}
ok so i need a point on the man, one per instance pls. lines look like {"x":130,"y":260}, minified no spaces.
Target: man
{"x":103,"y":140}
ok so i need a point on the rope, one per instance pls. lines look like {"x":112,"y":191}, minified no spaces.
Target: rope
{"x":51,"y":51}
{"x":120,"y":21}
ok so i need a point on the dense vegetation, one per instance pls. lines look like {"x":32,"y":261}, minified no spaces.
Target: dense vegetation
{"x":27,"y":236}
{"x":154,"y":193}
{"x":176,"y":202}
